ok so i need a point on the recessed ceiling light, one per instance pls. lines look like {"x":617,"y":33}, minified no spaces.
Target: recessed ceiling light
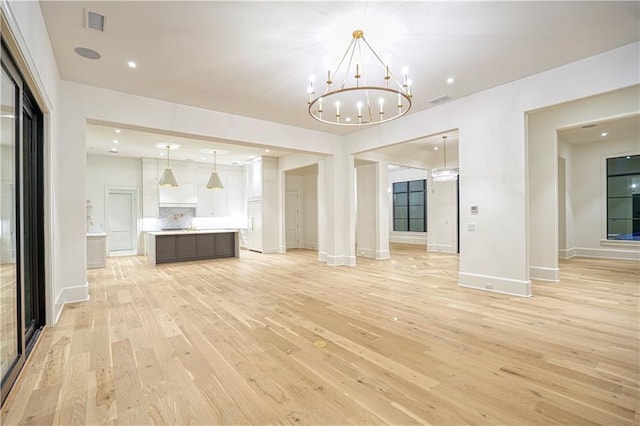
{"x":450,"y":80}
{"x":87,"y":53}
{"x":603,"y":134}
{"x":162,"y":154}
{"x":132,"y":64}
{"x":114,"y":150}
{"x":266,"y":150}
{"x":117,"y":130}
{"x":435,"y":148}
{"x":115,"y":141}
{"x":348,"y":119}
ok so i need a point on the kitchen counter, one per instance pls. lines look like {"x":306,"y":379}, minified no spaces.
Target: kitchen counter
{"x":186,"y":232}
{"x":184,"y":245}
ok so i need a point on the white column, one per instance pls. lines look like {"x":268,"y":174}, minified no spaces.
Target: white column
{"x":323,"y":226}
{"x":382,"y":210}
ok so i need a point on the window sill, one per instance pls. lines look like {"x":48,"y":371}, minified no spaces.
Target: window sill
{"x":620,"y":243}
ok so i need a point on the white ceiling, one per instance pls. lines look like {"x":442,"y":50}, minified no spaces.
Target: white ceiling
{"x":621,"y":128}
{"x":139,"y":144}
{"x":254,"y":58}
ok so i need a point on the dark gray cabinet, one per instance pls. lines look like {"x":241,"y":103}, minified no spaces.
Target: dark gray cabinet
{"x":176,"y":248}
{"x":187,"y":247}
{"x":166,"y":248}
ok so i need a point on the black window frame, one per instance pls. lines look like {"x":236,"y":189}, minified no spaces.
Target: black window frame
{"x":635,"y":221}
{"x":408,"y":188}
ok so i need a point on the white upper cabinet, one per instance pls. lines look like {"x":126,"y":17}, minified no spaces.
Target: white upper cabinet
{"x":150,"y":194}
{"x":185,"y":192}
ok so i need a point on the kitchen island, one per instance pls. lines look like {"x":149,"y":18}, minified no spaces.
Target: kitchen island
{"x":185,"y":245}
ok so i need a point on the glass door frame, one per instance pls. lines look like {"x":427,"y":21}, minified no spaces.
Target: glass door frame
{"x":29,"y":168}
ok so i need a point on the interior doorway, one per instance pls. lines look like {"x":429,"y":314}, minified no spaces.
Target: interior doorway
{"x":121,"y":222}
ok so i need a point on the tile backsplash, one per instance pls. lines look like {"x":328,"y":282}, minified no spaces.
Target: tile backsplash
{"x":176,"y":217}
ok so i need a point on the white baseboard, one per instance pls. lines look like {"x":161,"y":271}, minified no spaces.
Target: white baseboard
{"x":607,"y":253}
{"x":495,"y":284}
{"x":282,"y":249}
{"x":544,"y":274}
{"x":408,"y":237}
{"x":70,"y":295}
{"x":383,"y":254}
{"x":322,"y":256}
{"x":341,"y":260}
{"x":365,"y":252}
{"x":270,"y":251}
{"x":566,"y":253}
{"x":310,"y":245}
{"x":441,"y":248}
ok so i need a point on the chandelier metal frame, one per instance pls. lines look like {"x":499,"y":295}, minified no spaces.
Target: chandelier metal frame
{"x":356,"y":99}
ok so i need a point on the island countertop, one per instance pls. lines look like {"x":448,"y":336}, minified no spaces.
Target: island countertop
{"x":187,"y":232}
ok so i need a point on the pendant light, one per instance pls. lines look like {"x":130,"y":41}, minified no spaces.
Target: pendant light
{"x":168,"y":179}
{"x":445,"y":174}
{"x":214,"y":179}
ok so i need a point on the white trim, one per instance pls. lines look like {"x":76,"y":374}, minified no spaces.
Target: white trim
{"x":70,"y":295}
{"x":322,"y":256}
{"x":282,"y":249}
{"x":621,"y":243}
{"x":366,"y":252}
{"x":269,"y":251}
{"x":607,"y":253}
{"x":441,"y":248}
{"x":311,"y":245}
{"x":408,"y":237}
{"x":383,"y":254}
{"x":566,"y":253}
{"x":341,"y":260}
{"x":544,"y":274}
{"x":495,"y":284}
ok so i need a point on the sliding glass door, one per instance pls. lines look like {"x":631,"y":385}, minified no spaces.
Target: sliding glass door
{"x":22,"y":307}
{"x":10,"y":339}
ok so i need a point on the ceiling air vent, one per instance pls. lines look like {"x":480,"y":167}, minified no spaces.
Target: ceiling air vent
{"x":441,"y":99}
{"x":95,"y":21}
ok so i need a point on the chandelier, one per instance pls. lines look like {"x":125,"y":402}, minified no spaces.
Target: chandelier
{"x":214,"y":180}
{"x":168,"y":179}
{"x":353,"y":97}
{"x":445,"y":174}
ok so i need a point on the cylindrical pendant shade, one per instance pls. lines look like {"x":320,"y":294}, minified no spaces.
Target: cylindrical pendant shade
{"x":214,"y":181}
{"x":168,"y":178}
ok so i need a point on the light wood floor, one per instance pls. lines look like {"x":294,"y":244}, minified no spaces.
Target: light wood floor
{"x":283,"y":339}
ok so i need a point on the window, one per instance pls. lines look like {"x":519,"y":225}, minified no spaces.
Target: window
{"x":623,"y":198}
{"x":410,"y":206}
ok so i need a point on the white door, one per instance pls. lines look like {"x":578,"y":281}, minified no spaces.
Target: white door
{"x":254,"y":233}
{"x":291,"y":222}
{"x":121,"y":222}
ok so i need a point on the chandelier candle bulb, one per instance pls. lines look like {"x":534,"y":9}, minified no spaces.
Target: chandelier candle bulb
{"x":381,"y":103}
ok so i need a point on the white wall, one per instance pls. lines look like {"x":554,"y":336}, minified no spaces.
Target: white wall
{"x":27,"y":38}
{"x":104,"y":172}
{"x":366,"y":222}
{"x":493,"y":156}
{"x":401,"y":175}
{"x":442,"y":217}
{"x":542,"y":164}
{"x":494,"y":159}
{"x":589,"y":195}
